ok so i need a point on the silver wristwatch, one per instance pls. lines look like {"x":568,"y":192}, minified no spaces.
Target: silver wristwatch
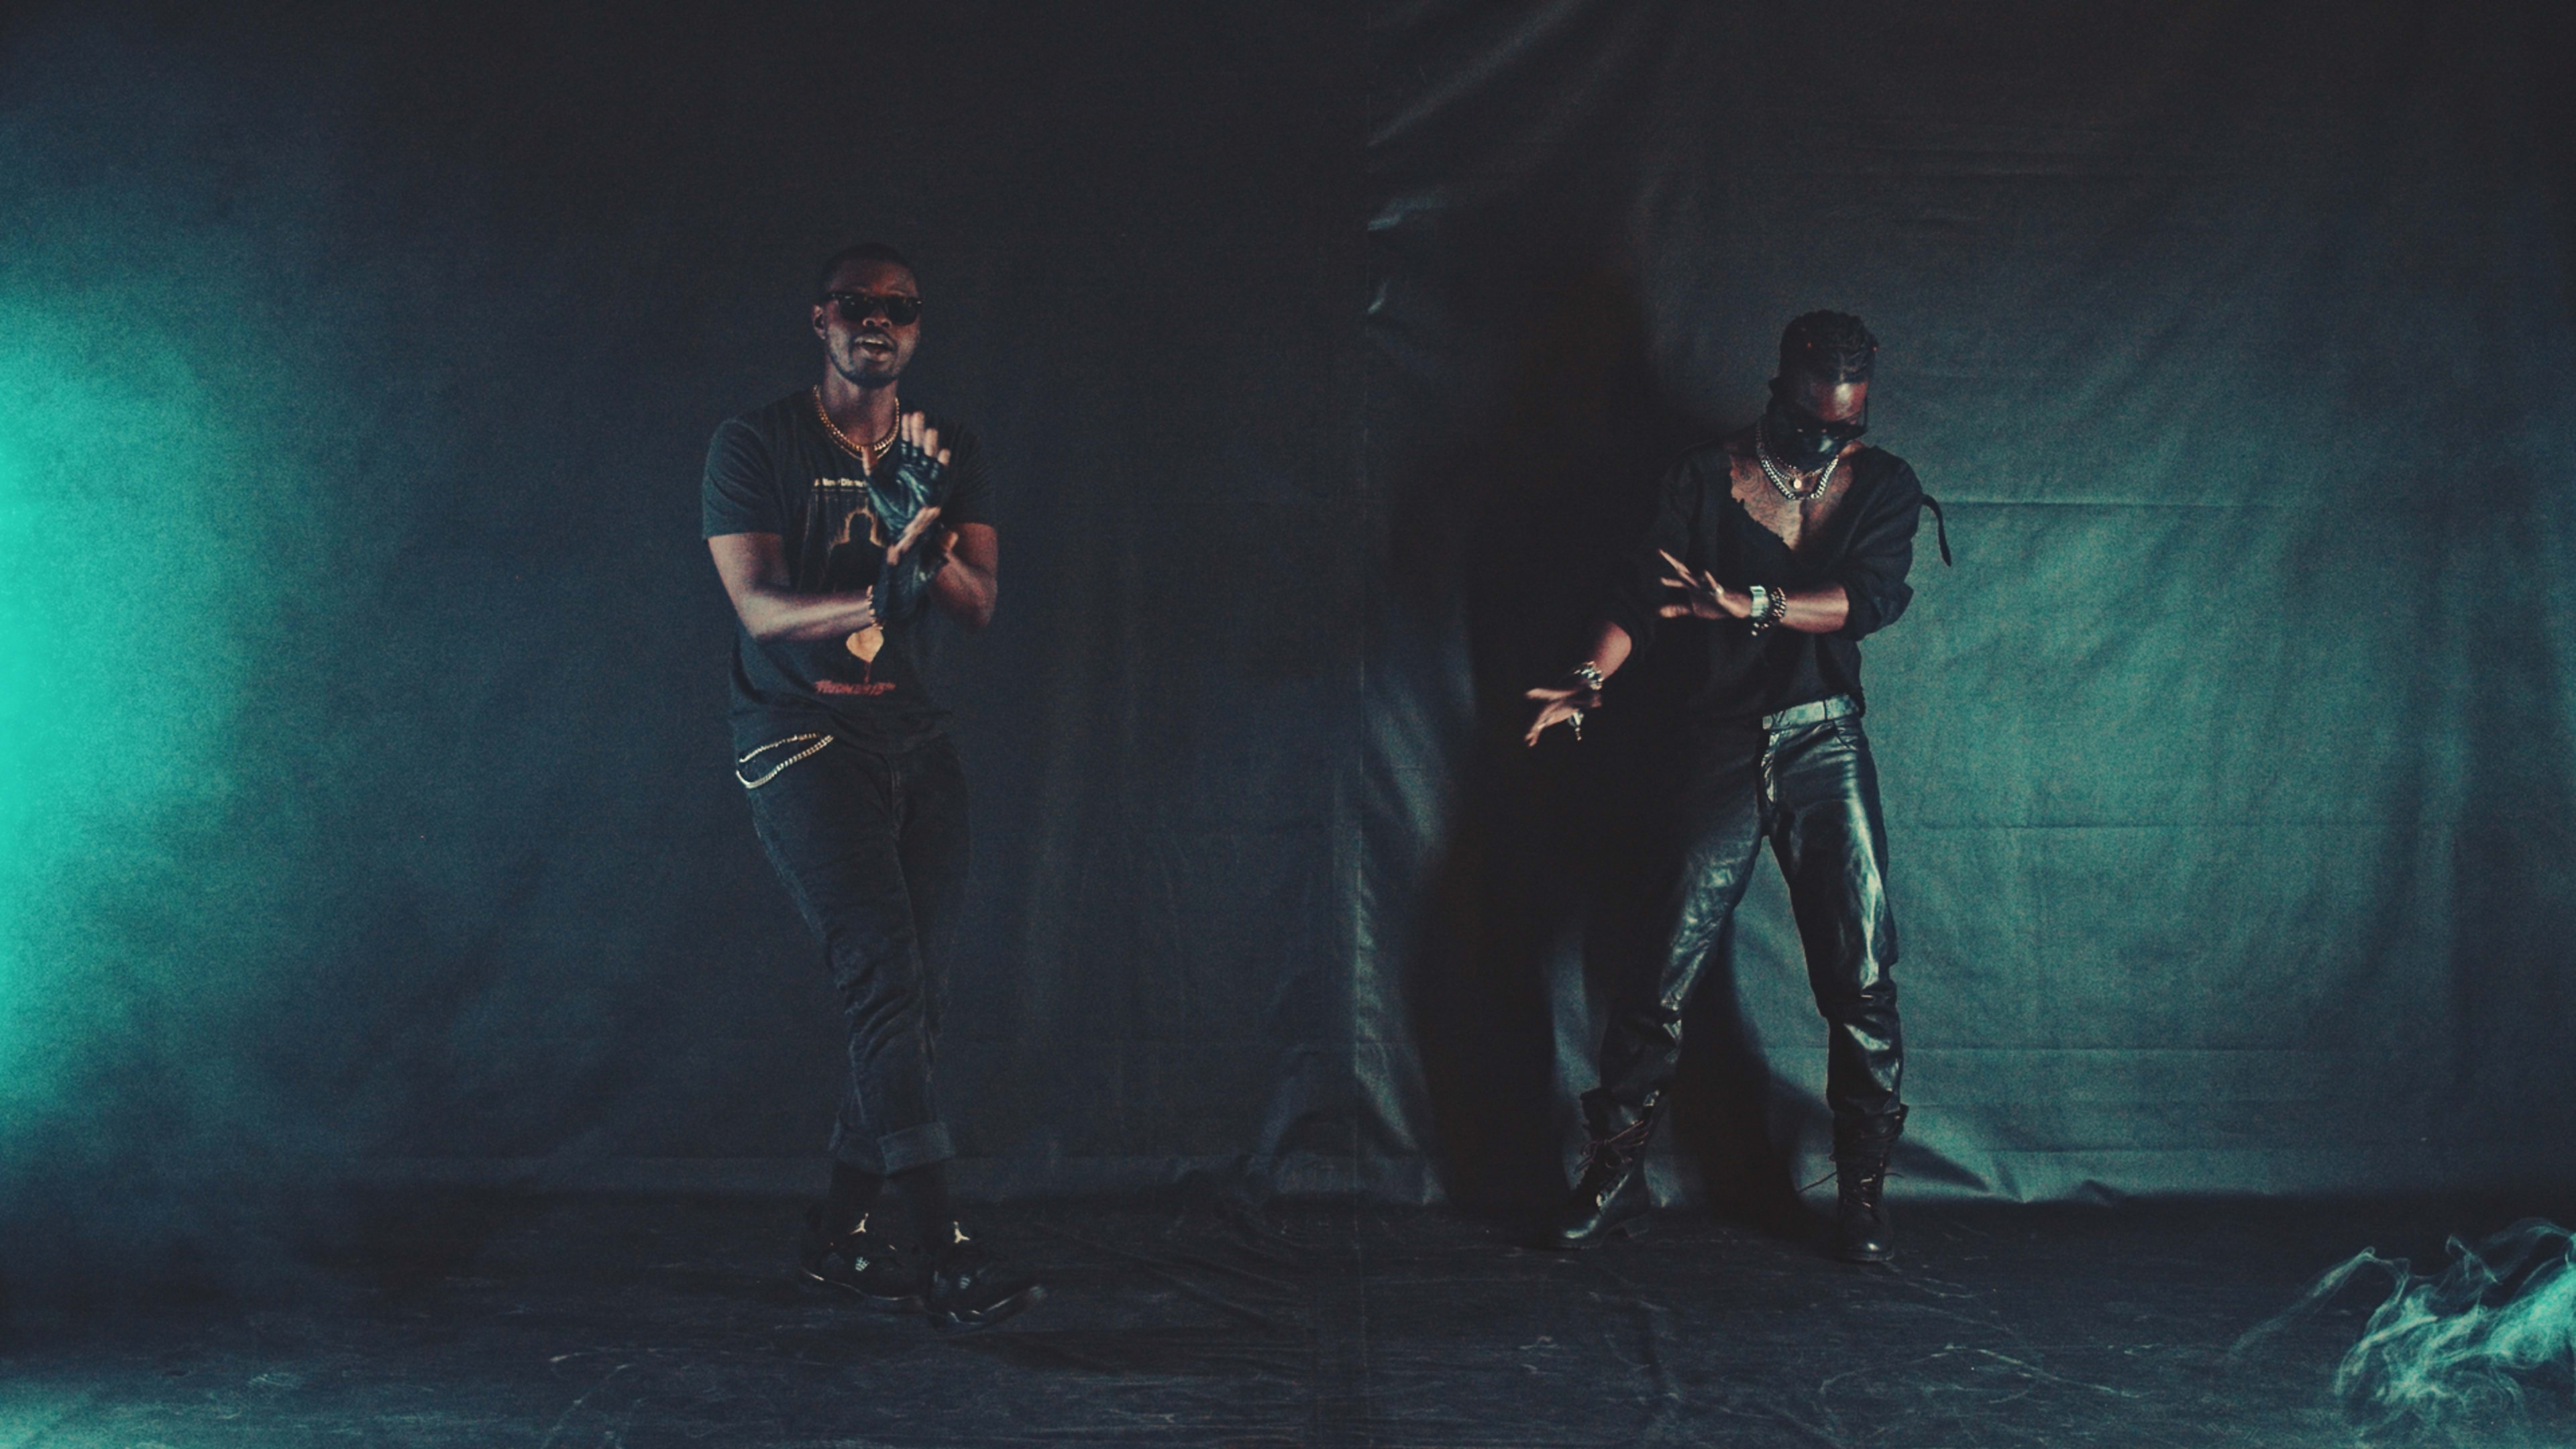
{"x":1770,"y":606}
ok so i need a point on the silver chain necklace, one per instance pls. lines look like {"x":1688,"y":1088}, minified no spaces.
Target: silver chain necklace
{"x":1786,"y":480}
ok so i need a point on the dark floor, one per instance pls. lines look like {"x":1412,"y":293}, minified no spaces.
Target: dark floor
{"x":486,"y":1321}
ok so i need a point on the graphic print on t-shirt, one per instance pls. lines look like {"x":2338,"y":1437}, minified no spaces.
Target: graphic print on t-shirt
{"x":854,"y":553}
{"x":855,"y":544}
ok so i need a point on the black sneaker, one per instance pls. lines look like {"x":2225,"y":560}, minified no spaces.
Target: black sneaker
{"x":971,"y":1289}
{"x":862,"y":1264}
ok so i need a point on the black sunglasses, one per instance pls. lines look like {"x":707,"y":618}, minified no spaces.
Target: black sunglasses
{"x":1842,"y":431}
{"x":900,"y":310}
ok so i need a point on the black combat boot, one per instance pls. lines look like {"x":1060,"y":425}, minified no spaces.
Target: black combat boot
{"x":1610,"y":1193}
{"x":1861,"y":1149}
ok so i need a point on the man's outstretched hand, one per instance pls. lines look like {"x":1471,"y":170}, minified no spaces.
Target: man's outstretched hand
{"x":1702,"y":596}
{"x":1560,"y":706}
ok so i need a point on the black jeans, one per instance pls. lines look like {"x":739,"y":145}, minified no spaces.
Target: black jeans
{"x":873,"y":848}
{"x":1802,"y":779}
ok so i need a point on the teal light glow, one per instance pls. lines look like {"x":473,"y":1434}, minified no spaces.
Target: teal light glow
{"x":123,"y":586}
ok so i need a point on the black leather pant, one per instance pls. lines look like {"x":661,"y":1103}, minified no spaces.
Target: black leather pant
{"x":1802,"y":779}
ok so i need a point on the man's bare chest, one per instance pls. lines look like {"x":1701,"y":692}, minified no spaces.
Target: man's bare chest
{"x":1799,"y":523}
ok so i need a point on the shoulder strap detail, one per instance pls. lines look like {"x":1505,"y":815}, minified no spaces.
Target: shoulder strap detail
{"x":1940,"y":529}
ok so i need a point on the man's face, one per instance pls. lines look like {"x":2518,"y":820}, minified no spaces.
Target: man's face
{"x":872,"y":351}
{"x":1832,"y":402}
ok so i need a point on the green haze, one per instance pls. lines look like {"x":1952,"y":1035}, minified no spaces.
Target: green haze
{"x":126,"y":571}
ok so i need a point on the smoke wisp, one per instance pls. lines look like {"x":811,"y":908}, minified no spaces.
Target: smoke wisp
{"x":2471,"y":1339}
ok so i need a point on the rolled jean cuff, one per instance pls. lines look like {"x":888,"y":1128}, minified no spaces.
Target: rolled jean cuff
{"x":914,"y":1147}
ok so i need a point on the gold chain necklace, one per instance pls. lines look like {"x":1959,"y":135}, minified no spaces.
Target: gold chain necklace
{"x":872,"y":452}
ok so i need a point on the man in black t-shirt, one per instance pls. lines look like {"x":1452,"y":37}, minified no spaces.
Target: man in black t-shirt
{"x":837,"y":521}
{"x":1773,"y":551}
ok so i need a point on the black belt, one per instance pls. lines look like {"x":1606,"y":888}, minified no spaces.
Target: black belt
{"x":1815,"y":712}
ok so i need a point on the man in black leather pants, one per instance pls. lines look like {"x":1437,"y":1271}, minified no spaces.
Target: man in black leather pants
{"x":1773,"y":551}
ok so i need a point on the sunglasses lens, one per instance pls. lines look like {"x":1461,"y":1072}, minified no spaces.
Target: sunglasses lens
{"x":858,"y":307}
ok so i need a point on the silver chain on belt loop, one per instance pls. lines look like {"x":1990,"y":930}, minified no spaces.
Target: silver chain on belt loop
{"x":819,"y":741}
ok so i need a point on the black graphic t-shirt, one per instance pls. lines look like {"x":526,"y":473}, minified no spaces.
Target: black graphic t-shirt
{"x":775,"y":470}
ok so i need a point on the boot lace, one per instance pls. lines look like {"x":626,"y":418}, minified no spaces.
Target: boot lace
{"x":1611,"y":1152}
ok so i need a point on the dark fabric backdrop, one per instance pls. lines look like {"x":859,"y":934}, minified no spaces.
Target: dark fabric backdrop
{"x":1321,"y":351}
{"x":2228,"y":774}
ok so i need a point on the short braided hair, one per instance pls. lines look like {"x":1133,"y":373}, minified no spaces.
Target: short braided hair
{"x":866,"y":251}
{"x":1827,"y":346}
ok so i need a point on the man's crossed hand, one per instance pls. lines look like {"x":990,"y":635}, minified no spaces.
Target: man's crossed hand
{"x":918,"y":462}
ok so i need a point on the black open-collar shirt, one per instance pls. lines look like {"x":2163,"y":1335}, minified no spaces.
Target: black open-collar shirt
{"x":1866,"y":545}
